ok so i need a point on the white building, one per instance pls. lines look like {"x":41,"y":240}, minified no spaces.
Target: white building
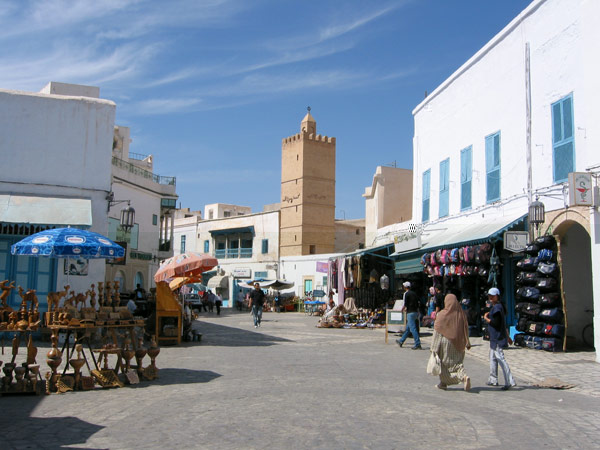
{"x":308,"y":272}
{"x":246,"y":246}
{"x":55,"y":154}
{"x":510,"y":125}
{"x":154,"y":199}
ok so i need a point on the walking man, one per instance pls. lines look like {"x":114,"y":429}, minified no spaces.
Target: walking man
{"x":499,"y":340}
{"x":257,"y":299}
{"x":411,"y":307}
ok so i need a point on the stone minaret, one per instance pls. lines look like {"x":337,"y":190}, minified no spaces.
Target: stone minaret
{"x":307,"y":192}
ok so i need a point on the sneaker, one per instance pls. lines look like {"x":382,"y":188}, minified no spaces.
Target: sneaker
{"x":255,"y":326}
{"x":489,"y":383}
{"x":400,"y":343}
{"x":508,"y":386}
{"x":417,"y":347}
{"x":441,"y":386}
{"x":467,"y":386}
{"x":258,"y":324}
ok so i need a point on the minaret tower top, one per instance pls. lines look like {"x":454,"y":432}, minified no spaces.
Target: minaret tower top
{"x":309,"y":125}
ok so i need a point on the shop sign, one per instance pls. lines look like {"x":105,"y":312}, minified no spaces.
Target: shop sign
{"x":241,"y":272}
{"x":515,"y":241}
{"x":580,"y":189}
{"x":322,"y":267}
{"x":404,"y":242}
{"x":140,"y":255}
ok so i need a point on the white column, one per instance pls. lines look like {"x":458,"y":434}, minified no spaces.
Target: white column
{"x":595,"y":248}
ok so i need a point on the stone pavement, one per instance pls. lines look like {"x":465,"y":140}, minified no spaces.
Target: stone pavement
{"x":291,"y":385}
{"x":577,"y":368}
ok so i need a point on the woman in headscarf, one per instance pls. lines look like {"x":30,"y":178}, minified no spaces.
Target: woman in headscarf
{"x":450,"y":338}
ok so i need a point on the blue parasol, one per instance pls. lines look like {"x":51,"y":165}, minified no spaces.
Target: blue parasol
{"x":68,"y":243}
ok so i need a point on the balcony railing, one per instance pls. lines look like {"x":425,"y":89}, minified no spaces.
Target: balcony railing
{"x":137,"y":156}
{"x":233,"y":253}
{"x":164,"y":246}
{"x":132,"y":168}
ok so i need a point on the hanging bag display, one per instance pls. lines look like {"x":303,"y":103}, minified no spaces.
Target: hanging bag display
{"x":546,"y":241}
{"x":548,"y":269}
{"x":532,"y":249}
{"x":552,"y":315}
{"x":549,"y":299}
{"x":528,"y":293}
{"x":536,"y":328}
{"x":547,"y":284}
{"x":546,"y":255}
{"x":529,"y":309}
{"x":526,"y":279}
{"x":528,"y":264}
{"x":554,"y":330}
{"x":552,"y":344}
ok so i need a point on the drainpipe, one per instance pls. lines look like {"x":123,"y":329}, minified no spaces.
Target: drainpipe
{"x":528,"y":130}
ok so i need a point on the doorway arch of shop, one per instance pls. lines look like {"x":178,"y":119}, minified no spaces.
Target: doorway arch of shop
{"x":576,"y":261}
{"x":120,"y":277}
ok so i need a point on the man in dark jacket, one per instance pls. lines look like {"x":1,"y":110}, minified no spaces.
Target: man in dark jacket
{"x":257,"y":300}
{"x":411,"y":308}
{"x":499,"y":340}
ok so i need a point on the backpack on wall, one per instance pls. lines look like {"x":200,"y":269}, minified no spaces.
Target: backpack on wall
{"x":454,"y":255}
{"x":528,"y":264}
{"x":552,"y":315}
{"x":550,"y":299}
{"x":526,"y":278}
{"x":548,"y":269}
{"x":528,"y":293}
{"x":546,"y":255}
{"x":546,"y":284}
{"x":546,"y":241}
{"x":529,"y":309}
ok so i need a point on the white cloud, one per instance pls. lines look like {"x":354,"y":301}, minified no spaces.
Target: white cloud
{"x":167,"y":105}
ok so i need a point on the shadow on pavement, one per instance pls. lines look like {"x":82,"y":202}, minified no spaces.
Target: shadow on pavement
{"x":224,"y":336}
{"x":18,"y":429}
{"x":171,"y":376}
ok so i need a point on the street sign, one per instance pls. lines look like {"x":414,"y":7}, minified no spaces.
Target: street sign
{"x":515,"y":241}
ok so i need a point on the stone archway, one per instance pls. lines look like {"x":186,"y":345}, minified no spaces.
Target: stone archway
{"x":574,"y":246}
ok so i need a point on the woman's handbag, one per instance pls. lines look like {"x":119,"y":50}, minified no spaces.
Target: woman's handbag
{"x":434,"y":366}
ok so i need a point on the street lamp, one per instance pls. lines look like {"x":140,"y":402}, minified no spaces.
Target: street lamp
{"x":537,"y":213}
{"x":127,"y":220}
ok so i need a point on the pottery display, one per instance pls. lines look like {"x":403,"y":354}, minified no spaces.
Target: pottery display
{"x":77,"y":364}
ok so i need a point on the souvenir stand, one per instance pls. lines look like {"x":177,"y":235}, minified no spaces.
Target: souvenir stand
{"x":169,"y":313}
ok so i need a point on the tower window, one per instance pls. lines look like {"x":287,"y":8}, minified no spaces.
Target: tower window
{"x":297,"y":157}
{"x":312,"y":249}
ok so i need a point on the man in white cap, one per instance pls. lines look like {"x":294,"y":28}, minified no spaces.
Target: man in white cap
{"x":499,"y":340}
{"x":411,"y":307}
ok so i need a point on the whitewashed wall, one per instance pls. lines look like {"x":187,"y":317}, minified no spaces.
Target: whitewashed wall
{"x":298,"y":268}
{"x":60,"y":146}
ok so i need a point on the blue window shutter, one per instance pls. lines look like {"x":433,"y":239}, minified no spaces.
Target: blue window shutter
{"x":466,"y":174}
{"x":206,"y":246}
{"x":563,"y":142}
{"x":492,"y":166}
{"x":265,"y":246}
{"x":444,"y":187}
{"x":426,"y":191}
{"x":182,"y":243}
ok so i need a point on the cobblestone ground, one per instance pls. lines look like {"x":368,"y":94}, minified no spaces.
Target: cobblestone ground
{"x":291,"y":385}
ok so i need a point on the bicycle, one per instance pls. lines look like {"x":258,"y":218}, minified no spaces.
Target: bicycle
{"x":587,"y":334}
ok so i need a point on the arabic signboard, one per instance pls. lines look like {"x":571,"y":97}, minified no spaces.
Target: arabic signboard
{"x":580,"y":189}
{"x":404,"y":242}
{"x":241,"y":272}
{"x":515,"y":241}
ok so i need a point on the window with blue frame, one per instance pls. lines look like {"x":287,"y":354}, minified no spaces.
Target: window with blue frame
{"x":265,"y":246}
{"x":182,"y":250}
{"x":466,"y":174}
{"x":426,"y":189}
{"x":492,"y":167}
{"x":206,"y":246}
{"x":563,"y":143}
{"x":444,"y":187}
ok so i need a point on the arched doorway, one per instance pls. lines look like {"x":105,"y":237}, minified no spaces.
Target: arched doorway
{"x":120,"y":277}
{"x":139,"y":279}
{"x":576,"y":257}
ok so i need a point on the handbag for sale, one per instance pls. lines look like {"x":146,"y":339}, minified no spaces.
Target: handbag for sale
{"x":434,"y":365}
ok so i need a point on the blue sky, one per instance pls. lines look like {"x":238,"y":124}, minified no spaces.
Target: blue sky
{"x":210,"y":87}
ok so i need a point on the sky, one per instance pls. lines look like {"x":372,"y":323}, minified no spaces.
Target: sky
{"x":211,"y":87}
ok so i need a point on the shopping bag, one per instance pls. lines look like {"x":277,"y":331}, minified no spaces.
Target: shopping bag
{"x":434,"y":366}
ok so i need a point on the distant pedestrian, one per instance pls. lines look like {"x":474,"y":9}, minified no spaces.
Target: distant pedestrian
{"x":411,"y":307}
{"x":218,"y":303}
{"x":212,"y":298}
{"x":439,"y":298}
{"x":450,"y":338}
{"x":257,"y":299}
{"x":499,"y":340}
{"x":240,"y":300}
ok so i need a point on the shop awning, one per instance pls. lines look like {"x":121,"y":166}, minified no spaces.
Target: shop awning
{"x":218,"y":282}
{"x":409,"y":265}
{"x":463,"y":231}
{"x":239,"y":230}
{"x":45,"y":210}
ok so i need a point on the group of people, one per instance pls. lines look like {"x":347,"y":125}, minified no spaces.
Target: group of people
{"x":210,"y":301}
{"x":451,"y":338}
